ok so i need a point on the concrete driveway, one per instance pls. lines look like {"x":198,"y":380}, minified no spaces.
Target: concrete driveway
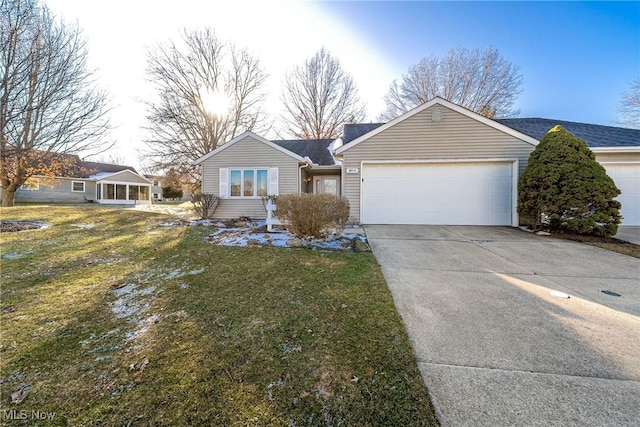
{"x":629,"y":233}
{"x":495,"y":348}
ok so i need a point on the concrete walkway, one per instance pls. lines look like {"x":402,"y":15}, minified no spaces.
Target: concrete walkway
{"x":495,"y":348}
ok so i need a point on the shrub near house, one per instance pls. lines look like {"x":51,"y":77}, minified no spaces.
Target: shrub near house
{"x":308,"y":214}
{"x":564,"y":182}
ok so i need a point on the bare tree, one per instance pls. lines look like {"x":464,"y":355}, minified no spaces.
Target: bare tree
{"x":49,"y":104}
{"x":483,"y":82}
{"x":183,"y":124}
{"x":111,"y":158}
{"x":629,"y":109}
{"x":319,"y":97}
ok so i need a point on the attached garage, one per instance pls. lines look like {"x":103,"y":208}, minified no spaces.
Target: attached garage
{"x":627,"y":178}
{"x":469,"y":192}
{"x":437,"y":164}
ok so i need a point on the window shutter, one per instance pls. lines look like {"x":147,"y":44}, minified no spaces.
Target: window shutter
{"x":273,"y":181}
{"x":223,"y":191}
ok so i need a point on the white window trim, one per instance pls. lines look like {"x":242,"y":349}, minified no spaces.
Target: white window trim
{"x":255,"y":182}
{"x":84,"y":187}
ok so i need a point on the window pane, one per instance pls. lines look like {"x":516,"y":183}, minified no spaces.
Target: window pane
{"x":121,"y":192}
{"x":236,"y":182}
{"x":133,"y":192}
{"x":99,"y":191}
{"x":331,"y":186}
{"x":262,"y":182}
{"x":109,"y":191}
{"x":77,"y":186}
{"x":144,"y":193}
{"x":248,"y":183}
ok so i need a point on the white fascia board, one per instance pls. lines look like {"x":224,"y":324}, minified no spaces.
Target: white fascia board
{"x":615,"y":149}
{"x":240,"y":138}
{"x":446,"y":104}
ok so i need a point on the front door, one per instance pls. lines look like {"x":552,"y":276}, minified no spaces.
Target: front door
{"x":326,"y":184}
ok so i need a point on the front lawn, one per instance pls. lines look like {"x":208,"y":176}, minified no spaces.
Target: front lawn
{"x":109,"y":318}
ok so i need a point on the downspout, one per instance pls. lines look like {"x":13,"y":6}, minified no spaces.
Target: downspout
{"x":306,"y":165}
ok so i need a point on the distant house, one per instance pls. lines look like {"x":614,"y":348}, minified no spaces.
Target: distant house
{"x":439,"y":163}
{"x":159,"y":183}
{"x":88,"y":182}
{"x":156,"y":187}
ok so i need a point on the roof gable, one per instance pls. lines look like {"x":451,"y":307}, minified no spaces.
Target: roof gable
{"x":444,"y":103}
{"x":596,"y":136}
{"x":107,"y":176}
{"x":244,"y":136}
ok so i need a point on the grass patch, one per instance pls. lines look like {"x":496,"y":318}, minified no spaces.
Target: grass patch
{"x":110,"y":319}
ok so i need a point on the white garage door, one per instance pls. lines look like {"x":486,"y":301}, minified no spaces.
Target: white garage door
{"x":437,"y":193}
{"x":627,"y":178}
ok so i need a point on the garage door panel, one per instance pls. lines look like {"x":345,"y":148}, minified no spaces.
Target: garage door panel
{"x":434,"y":193}
{"x":627,"y":179}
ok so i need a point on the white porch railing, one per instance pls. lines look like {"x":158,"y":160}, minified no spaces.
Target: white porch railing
{"x":271,"y":218}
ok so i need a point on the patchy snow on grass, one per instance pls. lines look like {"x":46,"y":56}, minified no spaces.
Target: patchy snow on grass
{"x":253,"y":234}
{"x":129,"y":305}
{"x":88,"y":226}
{"x":11,"y":255}
{"x":174,"y":274}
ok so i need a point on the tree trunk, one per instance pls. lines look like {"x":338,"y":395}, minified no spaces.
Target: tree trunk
{"x":8,"y":198}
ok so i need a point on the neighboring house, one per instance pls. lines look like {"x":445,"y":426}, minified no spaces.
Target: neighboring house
{"x":157,"y":181}
{"x":156,"y":187}
{"x":88,"y":182}
{"x":436,"y":164}
{"x":617,"y":149}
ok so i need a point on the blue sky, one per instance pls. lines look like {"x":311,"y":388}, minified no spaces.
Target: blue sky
{"x":576,"y":57}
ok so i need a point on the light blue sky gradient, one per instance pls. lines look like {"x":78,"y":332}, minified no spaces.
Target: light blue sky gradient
{"x":576,"y":57}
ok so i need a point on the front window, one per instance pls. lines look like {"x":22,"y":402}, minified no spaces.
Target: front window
{"x":261,"y":183}
{"x":77,"y":186}
{"x":236,"y":183}
{"x":248,"y":182}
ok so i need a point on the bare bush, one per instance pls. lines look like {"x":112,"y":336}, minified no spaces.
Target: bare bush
{"x":307,"y":215}
{"x":205,"y":205}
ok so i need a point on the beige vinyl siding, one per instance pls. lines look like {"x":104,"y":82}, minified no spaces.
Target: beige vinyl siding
{"x":57,"y":191}
{"x":455,"y":136}
{"x":248,"y":153}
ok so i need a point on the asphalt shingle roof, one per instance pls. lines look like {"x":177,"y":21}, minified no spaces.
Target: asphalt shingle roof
{"x":593,"y":135}
{"x":92,"y":168}
{"x":356,"y":130}
{"x":76,"y":168}
{"x":316,"y":149}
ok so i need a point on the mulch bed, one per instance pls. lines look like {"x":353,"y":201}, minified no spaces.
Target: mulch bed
{"x":609,"y":243}
{"x":14,"y":226}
